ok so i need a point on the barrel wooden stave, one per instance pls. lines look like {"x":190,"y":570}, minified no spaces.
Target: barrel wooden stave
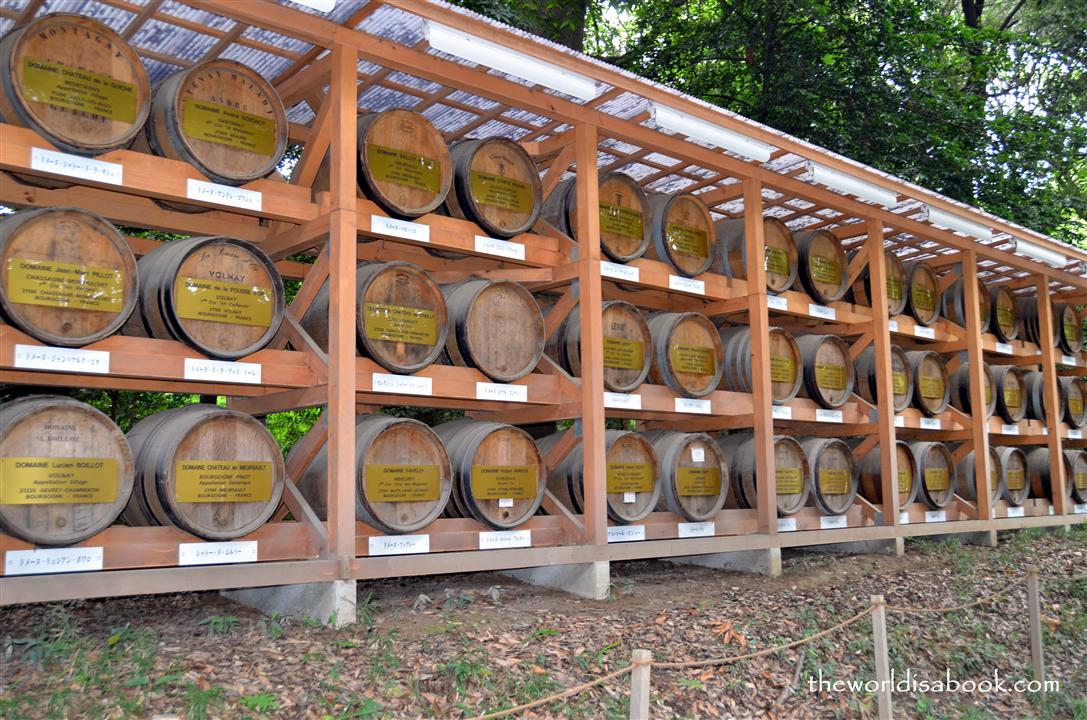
{"x":1077,"y":480}
{"x":1073,"y":400}
{"x":232,"y":282}
{"x":401,"y":321}
{"x":694,"y":476}
{"x":867,"y":382}
{"x":782,"y":256}
{"x":834,"y":474}
{"x":932,"y":387}
{"x":627,"y":353}
{"x":954,"y":304}
{"x":1004,"y":320}
{"x":1036,"y":401}
{"x":823,"y":267}
{"x":1069,"y":328}
{"x":959,"y":382}
{"x":684,"y":346}
{"x":42,"y":298}
{"x":897,"y":287}
{"x":1013,"y":464}
{"x":1010,"y":392}
{"x":495,"y":185}
{"x":55,"y":430}
{"x":683,"y":233}
{"x":495,"y":326}
{"x":785,"y":363}
{"x":829,"y":376}
{"x":924,"y":297}
{"x":870,"y":473}
{"x":792,"y":472}
{"x":1039,"y":477}
{"x":937,"y":480}
{"x":966,"y":471}
{"x":1027,"y":310}
{"x":625,"y":215}
{"x":176,"y":482}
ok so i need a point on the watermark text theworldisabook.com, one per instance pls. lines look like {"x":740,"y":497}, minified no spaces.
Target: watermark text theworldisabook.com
{"x":947,"y":684}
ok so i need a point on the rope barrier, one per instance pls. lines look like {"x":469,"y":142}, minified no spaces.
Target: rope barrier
{"x":1063,"y":578}
{"x":552,"y":698}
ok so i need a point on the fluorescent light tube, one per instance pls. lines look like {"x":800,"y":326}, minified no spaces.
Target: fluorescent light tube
{"x":852,"y":186}
{"x":1037,"y":252}
{"x":680,"y":122}
{"x":325,"y":6}
{"x":936,"y":216}
{"x":484,"y":52}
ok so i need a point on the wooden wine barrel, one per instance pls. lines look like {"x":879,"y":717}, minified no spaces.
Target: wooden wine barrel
{"x":683,"y":233}
{"x":1034,"y":389}
{"x":627,"y":344}
{"x":792,"y":473}
{"x":782,"y":256}
{"x":495,"y":185}
{"x":1013,"y":464}
{"x":68,"y":277}
{"x":694,"y":476}
{"x":966,"y":471}
{"x":499,"y":473}
{"x":495,"y":326}
{"x":400,"y":319}
{"x":935,"y":473}
{"x":1010,"y":395}
{"x":210,"y":471}
{"x":625,"y":229}
{"x":222,"y":118}
{"x":785,"y":363}
{"x":829,"y":376}
{"x":631,"y":482}
{"x":871,"y":475}
{"x":923,"y":298}
{"x":823,"y":268}
{"x":1040,"y":478}
{"x":954,"y":304}
{"x":896,"y":284}
{"x":932,"y":389}
{"x":219,"y":295}
{"x":1027,"y":309}
{"x":960,"y":389}
{"x":833,"y":472}
{"x":864,"y":366}
{"x":1004,"y":321}
{"x":67,"y":470}
{"x":403,"y":476}
{"x":687,"y":353}
{"x":75,"y":82}
{"x":1074,"y":401}
{"x":1069,"y":327}
{"x":1077,"y":480}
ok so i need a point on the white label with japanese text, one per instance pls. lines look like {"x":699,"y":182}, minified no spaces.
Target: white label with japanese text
{"x":690,"y":405}
{"x":497,"y":540}
{"x":833,"y":522}
{"x":402,"y":384}
{"x":217,"y":553}
{"x":626,"y":533}
{"x":780,"y":412}
{"x":399,"y":228}
{"x":900,"y":421}
{"x":831,"y":416}
{"x":43,"y":357}
{"x":697,"y":529}
{"x":52,"y":560}
{"x":622,"y":401}
{"x":892,"y":326}
{"x":224,"y":195}
{"x":1005,"y":348}
{"x":685,"y":284}
{"x":630,"y":498}
{"x":787,"y":524}
{"x":924,"y":332}
{"x":822,"y":311}
{"x":500,"y":391}
{"x":1074,"y":434}
{"x":1015,"y":512}
{"x":931,"y":423}
{"x":399,"y":544}
{"x":776,"y":302}
{"x":1080,"y":509}
{"x":903,"y":518}
{"x":619,"y":272}
{"x":1068,"y":360}
{"x":935,"y":516}
{"x":222,"y":371}
{"x":1009,"y":429}
{"x":501,"y":248}
{"x":74,"y":166}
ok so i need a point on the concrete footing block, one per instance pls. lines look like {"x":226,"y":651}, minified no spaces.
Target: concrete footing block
{"x":761,"y":562}
{"x":985,"y":538}
{"x":861,"y":547}
{"x":332,"y":603}
{"x":587,"y":580}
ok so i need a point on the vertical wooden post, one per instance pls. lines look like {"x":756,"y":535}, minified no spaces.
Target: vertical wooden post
{"x":759,"y":317}
{"x":342,"y":240}
{"x":883,"y":660}
{"x":974,"y":356}
{"x":639,"y":684}
{"x":1052,"y":396}
{"x":592,"y":336}
{"x":881,"y":334}
{"x":1034,"y":604}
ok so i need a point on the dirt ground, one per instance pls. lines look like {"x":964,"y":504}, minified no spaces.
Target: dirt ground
{"x":461,"y":645}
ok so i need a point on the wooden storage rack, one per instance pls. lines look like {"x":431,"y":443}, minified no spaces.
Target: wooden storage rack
{"x":372,"y":55}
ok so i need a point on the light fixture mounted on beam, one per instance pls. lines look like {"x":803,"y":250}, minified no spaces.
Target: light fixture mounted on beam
{"x":484,"y":52}
{"x":680,"y":122}
{"x":850,"y":185}
{"x":936,"y":216}
{"x":1039,"y":253}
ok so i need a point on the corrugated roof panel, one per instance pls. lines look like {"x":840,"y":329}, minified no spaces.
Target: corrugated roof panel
{"x":625,"y":106}
{"x":618,"y":145}
{"x":115,"y":18}
{"x":378,"y":97}
{"x":201,"y":17}
{"x":660,"y":159}
{"x":300,"y":113}
{"x":493,"y":128}
{"x":367,"y":68}
{"x":158,"y":71}
{"x":169,"y":39}
{"x":276,"y":39}
{"x":447,"y":119}
{"x":394,"y":24}
{"x":264,"y":63}
{"x":526,"y":117}
{"x":416,"y":83}
{"x":467,"y":98}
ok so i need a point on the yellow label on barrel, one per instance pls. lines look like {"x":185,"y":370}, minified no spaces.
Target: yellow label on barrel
{"x":497,"y":482}
{"x":402,"y":483}
{"x":219,"y":481}
{"x":835,"y":481}
{"x":936,"y":479}
{"x":777,"y":261}
{"x":393,"y":323}
{"x":1075,"y":404}
{"x":697,"y":481}
{"x":222,"y":125}
{"x":65,"y":285}
{"x":1071,"y":331}
{"x":52,"y":83}
{"x":1005,"y":316}
{"x":1080,"y":480}
{"x":830,"y":377}
{"x":623,"y":353}
{"x":693,"y":359}
{"x":223,"y":302}
{"x":1016,"y":479}
{"x":894,"y":288}
{"x":782,"y":369}
{"x":788,"y":481}
{"x":825,"y":270}
{"x":904,"y":481}
{"x":924,"y":298}
{"x":1013,"y":397}
{"x":629,"y":477}
{"x":500,"y":192}
{"x":404,"y":168}
{"x":622,"y":221}
{"x":898,"y":382}
{"x":55,"y":480}
{"x":931,"y":387}
{"x":687,"y":240}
